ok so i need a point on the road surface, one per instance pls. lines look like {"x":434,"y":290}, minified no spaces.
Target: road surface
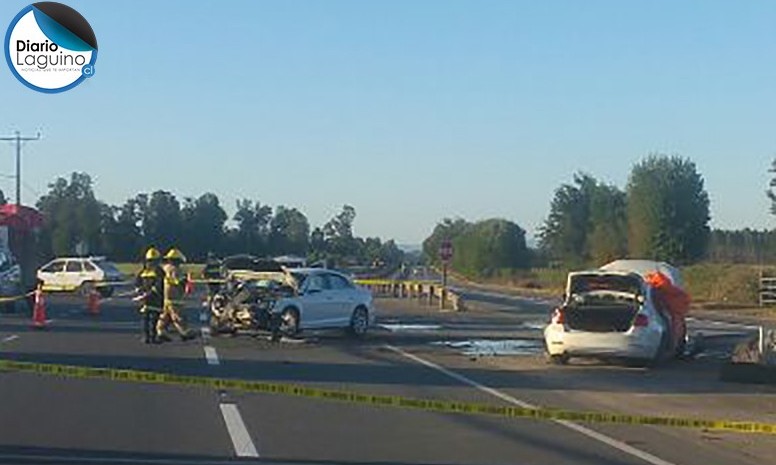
{"x":416,"y":352}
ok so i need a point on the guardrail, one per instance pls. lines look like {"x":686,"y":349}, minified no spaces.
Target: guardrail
{"x":429,"y":292}
{"x":767,"y":290}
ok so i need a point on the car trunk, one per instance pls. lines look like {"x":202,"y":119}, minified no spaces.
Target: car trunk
{"x":600,"y":318}
{"x":602,"y":302}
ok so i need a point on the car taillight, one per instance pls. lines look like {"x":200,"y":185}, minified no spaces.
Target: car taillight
{"x":557,"y":317}
{"x":641,"y":320}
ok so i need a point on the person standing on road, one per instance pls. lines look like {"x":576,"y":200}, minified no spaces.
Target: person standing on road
{"x":149,"y":284}
{"x":174,"y":289}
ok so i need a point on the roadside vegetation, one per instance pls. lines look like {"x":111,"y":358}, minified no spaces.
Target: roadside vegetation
{"x":79,"y":223}
{"x":662,"y":213}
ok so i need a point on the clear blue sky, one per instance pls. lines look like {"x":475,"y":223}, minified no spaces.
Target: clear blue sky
{"x":409,"y":110}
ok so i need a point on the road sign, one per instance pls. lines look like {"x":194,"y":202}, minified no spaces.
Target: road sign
{"x":446,"y":250}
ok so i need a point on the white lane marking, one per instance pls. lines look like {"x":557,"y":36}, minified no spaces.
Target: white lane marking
{"x":241,"y":440}
{"x":205,"y":331}
{"x":211,"y":355}
{"x":609,"y":441}
{"x":49,"y":321}
{"x":10,"y":338}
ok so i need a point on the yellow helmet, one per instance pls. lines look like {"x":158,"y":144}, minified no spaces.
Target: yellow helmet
{"x":175,"y":254}
{"x":152,"y":254}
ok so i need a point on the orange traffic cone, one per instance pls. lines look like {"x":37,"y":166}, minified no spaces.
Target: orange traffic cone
{"x":39,"y":310}
{"x":93,"y":302}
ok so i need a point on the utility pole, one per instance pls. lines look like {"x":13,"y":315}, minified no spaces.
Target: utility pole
{"x":18,"y":138}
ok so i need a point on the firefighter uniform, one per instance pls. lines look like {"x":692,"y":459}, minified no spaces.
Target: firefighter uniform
{"x":174,"y":290}
{"x":149,"y":283}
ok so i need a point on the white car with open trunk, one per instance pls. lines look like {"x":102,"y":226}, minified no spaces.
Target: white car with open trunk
{"x":613,"y":312}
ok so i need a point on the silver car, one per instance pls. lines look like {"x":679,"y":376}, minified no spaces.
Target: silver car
{"x":612,"y":312}
{"x":324,"y":299}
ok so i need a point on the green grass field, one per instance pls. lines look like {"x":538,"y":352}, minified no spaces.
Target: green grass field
{"x":708,"y":283}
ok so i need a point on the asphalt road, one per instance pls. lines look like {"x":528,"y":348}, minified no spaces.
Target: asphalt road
{"x":417,"y":352}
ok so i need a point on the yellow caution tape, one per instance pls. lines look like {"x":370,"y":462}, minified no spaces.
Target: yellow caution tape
{"x":431,"y":405}
{"x":14,"y":298}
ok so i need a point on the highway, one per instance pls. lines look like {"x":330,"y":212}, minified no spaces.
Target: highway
{"x":416,"y":351}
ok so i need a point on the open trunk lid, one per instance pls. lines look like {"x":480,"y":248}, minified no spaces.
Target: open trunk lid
{"x":601,"y":301}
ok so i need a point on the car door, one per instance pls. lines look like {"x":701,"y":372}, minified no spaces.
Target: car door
{"x":73,"y":275}
{"x":318,"y":304}
{"x":52,"y":275}
{"x":344,"y":299}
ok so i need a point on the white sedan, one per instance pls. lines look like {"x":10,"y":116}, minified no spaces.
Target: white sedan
{"x":612,"y":312}
{"x":324,"y":299}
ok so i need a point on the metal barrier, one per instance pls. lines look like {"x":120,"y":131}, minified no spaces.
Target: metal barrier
{"x":428,"y":292}
{"x":767,"y":290}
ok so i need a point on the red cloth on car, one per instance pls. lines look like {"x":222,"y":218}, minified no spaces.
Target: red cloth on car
{"x":677,"y":301}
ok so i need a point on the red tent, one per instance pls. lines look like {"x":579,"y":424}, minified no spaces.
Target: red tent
{"x":20,"y":217}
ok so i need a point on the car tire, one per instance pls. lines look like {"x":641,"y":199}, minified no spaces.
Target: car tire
{"x":359,"y":322}
{"x":105,"y":291}
{"x":288,"y":322}
{"x":83,"y":289}
{"x":559,"y":359}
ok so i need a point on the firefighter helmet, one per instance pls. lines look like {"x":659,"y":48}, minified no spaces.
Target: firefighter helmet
{"x":152,"y":254}
{"x":175,"y":255}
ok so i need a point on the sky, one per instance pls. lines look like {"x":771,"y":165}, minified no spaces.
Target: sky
{"x":411,"y":111}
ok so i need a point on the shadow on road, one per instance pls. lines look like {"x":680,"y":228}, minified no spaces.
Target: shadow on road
{"x":10,"y":454}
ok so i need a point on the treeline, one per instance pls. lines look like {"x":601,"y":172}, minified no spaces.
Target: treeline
{"x":484,"y":248}
{"x":78,"y":223}
{"x":662,"y":214}
{"x":742,"y":246}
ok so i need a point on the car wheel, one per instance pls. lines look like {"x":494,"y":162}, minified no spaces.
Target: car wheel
{"x":559,"y":359}
{"x":83,"y":289}
{"x":105,"y":291}
{"x":289,"y":322}
{"x":359,"y":322}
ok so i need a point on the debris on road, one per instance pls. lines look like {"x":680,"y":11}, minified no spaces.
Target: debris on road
{"x":490,"y":347}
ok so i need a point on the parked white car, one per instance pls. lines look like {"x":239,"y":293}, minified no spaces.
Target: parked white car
{"x":611,"y":312}
{"x":75,"y":273}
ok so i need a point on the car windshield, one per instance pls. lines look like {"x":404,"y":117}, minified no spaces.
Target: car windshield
{"x":410,"y":232}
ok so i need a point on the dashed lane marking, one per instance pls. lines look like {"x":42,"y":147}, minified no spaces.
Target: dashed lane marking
{"x":241,"y":440}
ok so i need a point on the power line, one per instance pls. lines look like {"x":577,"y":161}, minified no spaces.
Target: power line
{"x":18,"y":138}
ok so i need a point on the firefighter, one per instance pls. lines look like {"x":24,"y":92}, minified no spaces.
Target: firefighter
{"x":149,"y":284}
{"x":174,"y":285}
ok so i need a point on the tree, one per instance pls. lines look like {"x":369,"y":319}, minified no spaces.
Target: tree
{"x":447,"y":229}
{"x":253,"y":220}
{"x":289,"y":232}
{"x":338,"y":234}
{"x":668,"y":210}
{"x":586,"y":223}
{"x":161,"y":219}
{"x":488,"y":246}
{"x":124,"y":234}
{"x":73,"y":215}
{"x":203,"y":220}
{"x":608,"y":229}
{"x":770,"y":192}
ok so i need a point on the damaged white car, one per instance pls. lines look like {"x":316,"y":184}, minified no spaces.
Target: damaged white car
{"x":615,"y":312}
